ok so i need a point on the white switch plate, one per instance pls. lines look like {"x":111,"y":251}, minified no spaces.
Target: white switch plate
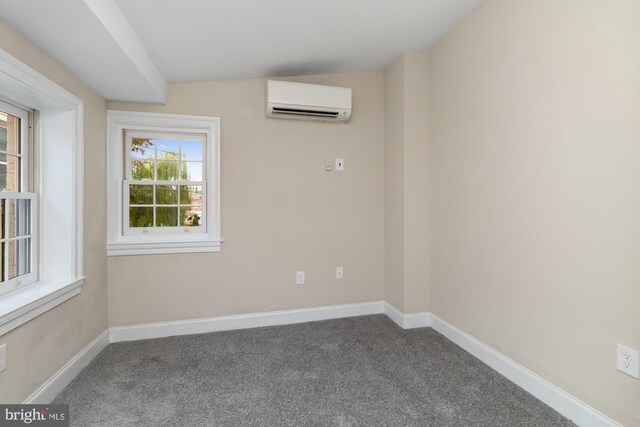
{"x":339,"y":164}
{"x":3,"y":357}
{"x":299,"y":277}
{"x":339,"y":272}
{"x":628,"y":361}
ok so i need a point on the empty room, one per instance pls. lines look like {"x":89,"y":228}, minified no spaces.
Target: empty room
{"x":337,"y":213}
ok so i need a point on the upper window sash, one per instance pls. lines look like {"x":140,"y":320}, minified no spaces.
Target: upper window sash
{"x":185,"y":146}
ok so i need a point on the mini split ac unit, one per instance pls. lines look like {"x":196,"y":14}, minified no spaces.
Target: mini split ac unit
{"x":301,"y":101}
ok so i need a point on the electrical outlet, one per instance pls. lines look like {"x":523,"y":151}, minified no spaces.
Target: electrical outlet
{"x":628,"y":361}
{"x":328,"y":166}
{"x":299,"y":277}
{"x":3,"y":357}
{"x":339,"y":272}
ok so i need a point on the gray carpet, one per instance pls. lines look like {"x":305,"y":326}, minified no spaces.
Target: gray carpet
{"x":361,"y":371}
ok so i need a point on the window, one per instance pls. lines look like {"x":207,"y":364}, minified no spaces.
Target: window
{"x":41,"y":194}
{"x":163,"y":183}
{"x":17,"y":225}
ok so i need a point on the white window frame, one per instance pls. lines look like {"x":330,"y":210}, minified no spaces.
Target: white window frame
{"x":120,"y":238}
{"x":57,"y":153}
{"x":24,"y":192}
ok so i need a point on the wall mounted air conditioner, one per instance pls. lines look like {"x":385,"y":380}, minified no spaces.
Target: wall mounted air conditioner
{"x":301,"y":101}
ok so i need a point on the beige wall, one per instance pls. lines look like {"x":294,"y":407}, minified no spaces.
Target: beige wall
{"x":37,"y":349}
{"x":281,"y":212}
{"x":408,"y":182}
{"x":536,"y":189}
{"x":394,"y":84}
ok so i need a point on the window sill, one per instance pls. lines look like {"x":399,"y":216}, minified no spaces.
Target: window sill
{"x":123,"y":249}
{"x":20,"y":306}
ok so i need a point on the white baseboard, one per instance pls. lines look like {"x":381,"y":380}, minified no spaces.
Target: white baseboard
{"x":580,"y":413}
{"x":573,"y":409}
{"x":242,"y":321}
{"x":407,"y":321}
{"x":58,"y":381}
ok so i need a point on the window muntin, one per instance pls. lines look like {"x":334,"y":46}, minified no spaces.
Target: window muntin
{"x":164,"y":190}
{"x":17,"y":203}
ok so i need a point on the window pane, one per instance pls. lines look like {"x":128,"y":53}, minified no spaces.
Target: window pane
{"x":22,"y":217}
{"x":19,"y":258}
{"x":190,"y":194}
{"x":141,"y":169}
{"x":167,"y":217}
{"x":168,"y":149}
{"x":3,"y":207}
{"x":191,"y":216}
{"x":140,"y":194}
{"x":191,"y":150}
{"x":12,"y":268}
{"x":11,"y":217}
{"x":9,"y":133}
{"x":140,"y":217}
{"x":166,"y":194}
{"x":10,"y":174}
{"x":193,"y":171}
{"x":142,"y":148}
{"x":23,"y":256}
{"x":168,"y":170}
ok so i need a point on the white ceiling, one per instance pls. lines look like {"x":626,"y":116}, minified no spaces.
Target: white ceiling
{"x":128,"y":49}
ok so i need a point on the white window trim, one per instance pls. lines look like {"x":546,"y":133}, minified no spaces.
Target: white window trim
{"x":120,"y":244}
{"x":60,"y":190}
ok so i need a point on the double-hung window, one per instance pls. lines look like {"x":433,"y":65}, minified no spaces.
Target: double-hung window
{"x":41,"y":194}
{"x":17,"y":201}
{"x":163,"y":183}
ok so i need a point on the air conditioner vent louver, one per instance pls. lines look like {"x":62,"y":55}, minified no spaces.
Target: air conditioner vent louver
{"x":301,"y":101}
{"x":297,"y":112}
